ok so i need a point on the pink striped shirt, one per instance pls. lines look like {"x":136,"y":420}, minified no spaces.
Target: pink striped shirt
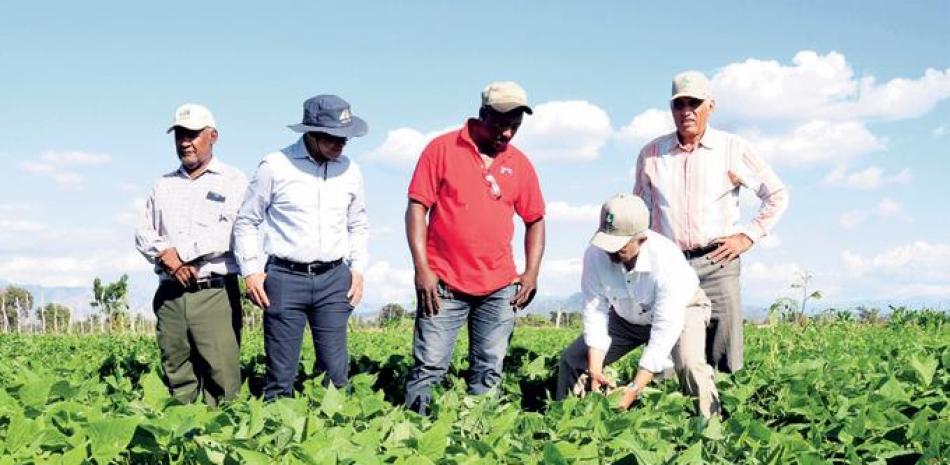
{"x":694,"y":196}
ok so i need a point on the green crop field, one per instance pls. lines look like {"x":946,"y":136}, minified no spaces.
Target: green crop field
{"x":821,"y":392}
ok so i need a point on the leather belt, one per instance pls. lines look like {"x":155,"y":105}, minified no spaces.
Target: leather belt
{"x":700,"y":251}
{"x":211,"y":282}
{"x":312,"y":268}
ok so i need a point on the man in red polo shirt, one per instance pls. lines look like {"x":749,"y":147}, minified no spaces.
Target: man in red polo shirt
{"x":471,"y":182}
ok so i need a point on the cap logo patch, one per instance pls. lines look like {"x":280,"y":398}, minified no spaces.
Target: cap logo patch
{"x":345,"y":116}
{"x":609,"y":222}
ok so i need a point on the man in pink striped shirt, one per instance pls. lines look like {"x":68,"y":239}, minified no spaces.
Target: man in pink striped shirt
{"x":690,"y":181}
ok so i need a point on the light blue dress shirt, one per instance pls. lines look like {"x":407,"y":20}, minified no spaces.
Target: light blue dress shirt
{"x":302,"y":211}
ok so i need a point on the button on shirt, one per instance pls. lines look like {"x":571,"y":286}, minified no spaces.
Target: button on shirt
{"x":195,"y":216}
{"x":655,"y":292}
{"x":470,"y":228}
{"x":693,"y":196}
{"x":306,"y":211}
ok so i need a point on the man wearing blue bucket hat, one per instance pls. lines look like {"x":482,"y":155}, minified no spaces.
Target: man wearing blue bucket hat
{"x":306,"y":205}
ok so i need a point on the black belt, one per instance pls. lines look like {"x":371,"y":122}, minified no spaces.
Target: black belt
{"x":700,"y":251}
{"x":211,"y":282}
{"x":306,"y":268}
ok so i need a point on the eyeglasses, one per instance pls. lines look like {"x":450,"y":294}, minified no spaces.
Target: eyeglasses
{"x":493,"y":186}
{"x":686,"y":103}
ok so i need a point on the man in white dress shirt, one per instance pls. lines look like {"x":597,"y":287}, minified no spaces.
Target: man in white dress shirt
{"x":307,"y":201}
{"x":638,"y":289}
{"x":186,"y":233}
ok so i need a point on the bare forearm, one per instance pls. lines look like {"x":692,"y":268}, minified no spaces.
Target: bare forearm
{"x":534,"y":246}
{"x":416,"y":234}
{"x":642,"y":378}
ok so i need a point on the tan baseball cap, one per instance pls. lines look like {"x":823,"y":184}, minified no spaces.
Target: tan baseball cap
{"x":504,"y":96}
{"x":192,"y":116}
{"x":691,"y":84}
{"x":622,"y":218}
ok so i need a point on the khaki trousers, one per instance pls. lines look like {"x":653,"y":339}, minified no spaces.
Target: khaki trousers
{"x":695,"y":375}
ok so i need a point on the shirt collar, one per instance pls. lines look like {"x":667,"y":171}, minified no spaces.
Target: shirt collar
{"x":643,"y":262}
{"x":465,"y":136}
{"x":299,"y":150}
{"x":710,"y":139}
{"x":214,"y":166}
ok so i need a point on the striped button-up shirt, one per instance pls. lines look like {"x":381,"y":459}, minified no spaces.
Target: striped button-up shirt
{"x":654,"y":293}
{"x":195,"y":216}
{"x":307,"y":212}
{"x":693,"y":196}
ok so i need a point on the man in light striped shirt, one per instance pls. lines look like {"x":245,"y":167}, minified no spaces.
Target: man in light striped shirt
{"x":186,"y":232}
{"x":690,"y":180}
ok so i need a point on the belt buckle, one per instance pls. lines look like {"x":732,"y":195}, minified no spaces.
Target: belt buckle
{"x":313,"y":268}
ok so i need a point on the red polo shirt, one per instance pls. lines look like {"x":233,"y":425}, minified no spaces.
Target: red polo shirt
{"x":470,"y":230}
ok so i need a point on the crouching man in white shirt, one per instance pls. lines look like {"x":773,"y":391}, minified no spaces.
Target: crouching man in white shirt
{"x":638,"y":289}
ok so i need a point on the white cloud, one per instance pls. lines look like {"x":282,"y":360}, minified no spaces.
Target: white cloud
{"x":645,"y":127}
{"x":385,"y":283}
{"x":16,"y":226}
{"x":60,"y":166}
{"x":887,"y":208}
{"x":921,"y":261}
{"x":871,"y":177}
{"x":77,"y":270}
{"x":560,"y":276}
{"x":130,"y":217}
{"x":402,"y":147}
{"x":821,"y":87}
{"x":562,"y":211}
{"x":815,"y":142}
{"x":573,"y":130}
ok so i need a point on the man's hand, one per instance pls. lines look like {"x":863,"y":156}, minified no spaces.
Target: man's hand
{"x":527,"y":288}
{"x":730,"y":247}
{"x":170,"y":260}
{"x":630,"y":395}
{"x":186,"y":275}
{"x":427,"y":291}
{"x":255,"y":289}
{"x":355,"y":294}
{"x":599,"y":380}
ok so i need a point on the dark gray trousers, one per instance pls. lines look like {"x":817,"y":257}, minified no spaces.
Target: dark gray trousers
{"x":724,"y":343}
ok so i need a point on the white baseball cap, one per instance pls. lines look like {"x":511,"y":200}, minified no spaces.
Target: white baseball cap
{"x":504,"y":96}
{"x":622,"y":217}
{"x":691,"y":84}
{"x":192,"y":116}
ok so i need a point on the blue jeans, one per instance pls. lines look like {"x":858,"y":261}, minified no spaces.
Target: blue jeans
{"x":491,"y":321}
{"x":298,"y":300}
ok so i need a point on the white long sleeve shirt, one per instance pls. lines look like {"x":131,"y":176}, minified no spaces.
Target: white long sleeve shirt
{"x":305,"y":211}
{"x":195,"y":216}
{"x":655,"y":293}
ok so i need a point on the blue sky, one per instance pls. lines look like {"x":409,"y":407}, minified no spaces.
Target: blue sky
{"x":848,"y":102}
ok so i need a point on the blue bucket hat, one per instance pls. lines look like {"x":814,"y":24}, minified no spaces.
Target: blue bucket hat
{"x":331,"y":115}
